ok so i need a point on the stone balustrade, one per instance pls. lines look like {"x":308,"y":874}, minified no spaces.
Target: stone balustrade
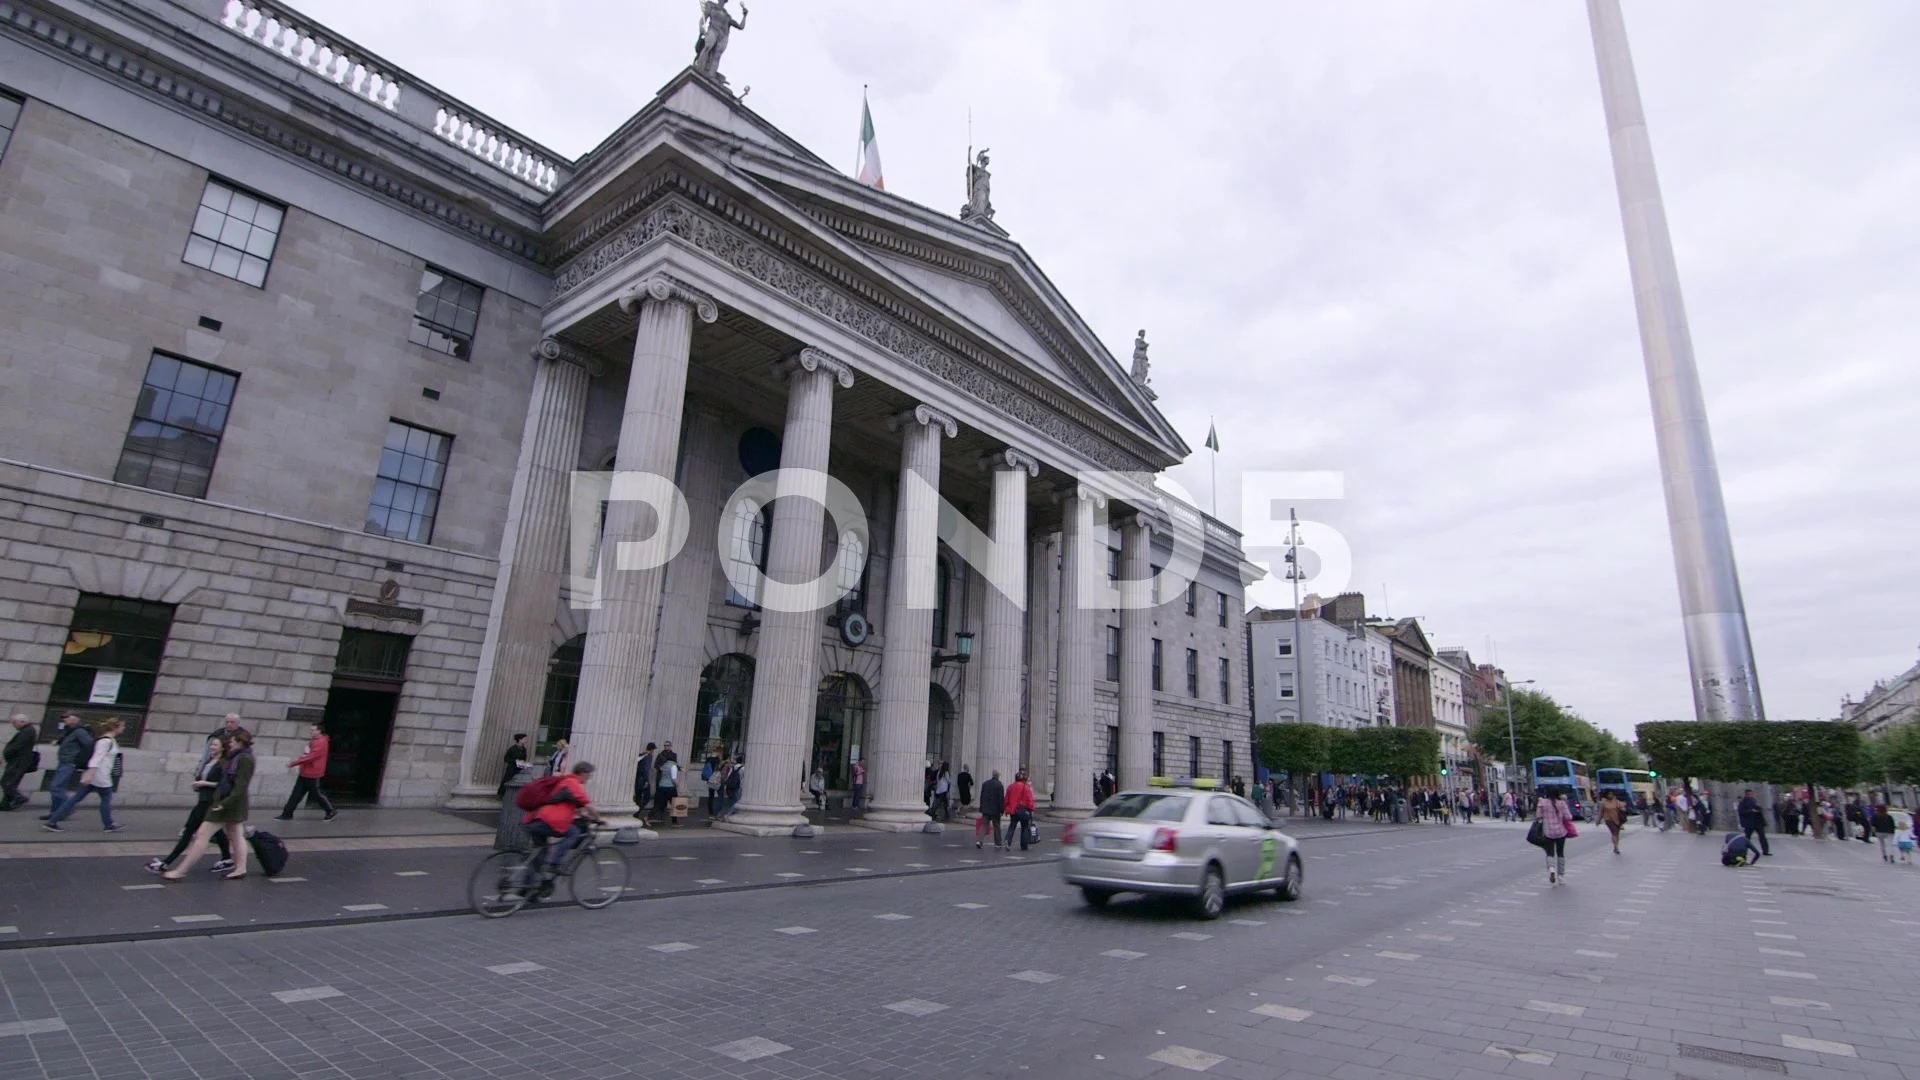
{"x":271,"y":29}
{"x":500,"y":152}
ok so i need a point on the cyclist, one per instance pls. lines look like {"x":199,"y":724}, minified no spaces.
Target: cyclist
{"x":561,"y":817}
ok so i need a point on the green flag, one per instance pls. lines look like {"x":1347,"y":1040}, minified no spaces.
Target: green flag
{"x":1213,"y":438}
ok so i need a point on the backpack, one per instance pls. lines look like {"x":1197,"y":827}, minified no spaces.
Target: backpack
{"x":706,"y":772}
{"x":269,"y":849}
{"x":119,"y":768}
{"x":733,"y":782}
{"x":537,"y":794}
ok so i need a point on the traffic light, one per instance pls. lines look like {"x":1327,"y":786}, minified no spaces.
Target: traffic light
{"x":1443,"y":770}
{"x":1653,"y":775}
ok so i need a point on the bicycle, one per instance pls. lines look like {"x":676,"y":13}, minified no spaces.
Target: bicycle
{"x":506,"y":881}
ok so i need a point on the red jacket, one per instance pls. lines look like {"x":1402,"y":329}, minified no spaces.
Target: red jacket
{"x":313,"y":763}
{"x":1020,"y":797}
{"x":558,"y":813}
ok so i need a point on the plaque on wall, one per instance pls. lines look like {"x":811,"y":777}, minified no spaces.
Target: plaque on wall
{"x":301,"y":715}
{"x":385,"y":611}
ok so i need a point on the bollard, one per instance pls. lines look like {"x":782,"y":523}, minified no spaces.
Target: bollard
{"x":509,"y":834}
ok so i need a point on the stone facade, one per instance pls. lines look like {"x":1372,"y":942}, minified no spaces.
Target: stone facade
{"x":1345,"y":666}
{"x":1888,"y":704}
{"x":649,"y":307}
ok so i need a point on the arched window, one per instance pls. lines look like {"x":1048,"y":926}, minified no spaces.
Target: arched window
{"x":850,"y":571}
{"x":942,"y":582}
{"x":746,"y":551}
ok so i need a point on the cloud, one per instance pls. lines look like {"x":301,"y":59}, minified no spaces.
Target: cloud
{"x":1383,"y":238}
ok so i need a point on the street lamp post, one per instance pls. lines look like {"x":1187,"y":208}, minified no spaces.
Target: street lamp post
{"x":1513,"y":743}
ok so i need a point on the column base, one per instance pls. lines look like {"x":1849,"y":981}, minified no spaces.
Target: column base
{"x":476,"y":797}
{"x":629,"y":829}
{"x":899,"y":821}
{"x":782,"y":821}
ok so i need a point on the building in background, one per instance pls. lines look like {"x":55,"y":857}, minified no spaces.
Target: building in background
{"x":1888,"y":704}
{"x":1449,"y":714}
{"x":1412,"y":672}
{"x":1345,"y":670}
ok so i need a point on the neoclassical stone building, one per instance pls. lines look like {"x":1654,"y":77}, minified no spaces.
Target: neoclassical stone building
{"x":315,"y":381}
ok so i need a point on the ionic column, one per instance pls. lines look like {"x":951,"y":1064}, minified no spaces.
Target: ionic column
{"x":533,"y":564}
{"x":675,"y":689}
{"x":1136,"y":660}
{"x":1003,"y":624}
{"x":906,"y":657}
{"x":785,"y":678}
{"x":1073,"y":731}
{"x":611,"y":709}
{"x":1043,"y":651}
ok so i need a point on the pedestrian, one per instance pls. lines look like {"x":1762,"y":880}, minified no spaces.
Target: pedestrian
{"x":226,"y":812}
{"x":1883,"y":828}
{"x":717,"y":788}
{"x":859,"y":782}
{"x":1907,"y":838}
{"x":73,"y":745}
{"x":730,"y":791}
{"x":557,"y":761}
{"x":205,"y":782}
{"x":312,"y":765}
{"x":817,"y":788}
{"x":643,"y":783}
{"x":19,"y":760}
{"x":942,"y":806}
{"x":666,"y":784}
{"x":965,"y":783}
{"x":993,"y":803}
{"x":1753,"y":822}
{"x":515,"y":760}
{"x":1613,"y":814}
{"x":103,"y":768}
{"x":1019,"y":810}
{"x":1556,"y":824}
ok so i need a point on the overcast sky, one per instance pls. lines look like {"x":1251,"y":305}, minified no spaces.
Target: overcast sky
{"x":1382,"y":239}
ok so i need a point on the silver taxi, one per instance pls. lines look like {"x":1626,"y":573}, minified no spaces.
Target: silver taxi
{"x":1182,"y":840}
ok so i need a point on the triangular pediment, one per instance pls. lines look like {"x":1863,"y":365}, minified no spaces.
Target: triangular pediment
{"x":970,"y":285}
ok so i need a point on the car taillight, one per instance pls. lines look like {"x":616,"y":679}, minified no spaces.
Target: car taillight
{"x":1165,"y":840}
{"x":1066,"y":834}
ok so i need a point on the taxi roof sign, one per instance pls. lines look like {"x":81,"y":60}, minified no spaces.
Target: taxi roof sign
{"x":1200,"y":783}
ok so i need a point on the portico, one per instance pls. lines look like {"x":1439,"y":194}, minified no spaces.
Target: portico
{"x":840,"y":426}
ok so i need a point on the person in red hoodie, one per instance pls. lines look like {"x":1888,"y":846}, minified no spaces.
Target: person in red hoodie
{"x":561,"y":815}
{"x":312,"y":766}
{"x":1019,"y":808}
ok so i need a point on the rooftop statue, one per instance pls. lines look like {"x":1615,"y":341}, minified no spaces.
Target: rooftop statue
{"x":979,"y":190}
{"x":716,"y":25}
{"x":1141,"y":364}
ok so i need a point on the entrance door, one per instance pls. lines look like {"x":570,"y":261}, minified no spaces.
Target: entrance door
{"x":359,"y":725}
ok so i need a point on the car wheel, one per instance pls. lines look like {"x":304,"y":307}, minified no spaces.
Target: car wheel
{"x":1213,"y":894}
{"x":1289,"y":889}
{"x":1095,"y":897}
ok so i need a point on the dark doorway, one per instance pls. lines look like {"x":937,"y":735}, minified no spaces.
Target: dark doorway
{"x":359,"y":725}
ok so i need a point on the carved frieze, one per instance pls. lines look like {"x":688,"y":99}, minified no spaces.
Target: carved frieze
{"x":677,"y":217}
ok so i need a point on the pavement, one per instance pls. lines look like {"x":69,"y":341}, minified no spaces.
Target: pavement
{"x":1417,"y":952}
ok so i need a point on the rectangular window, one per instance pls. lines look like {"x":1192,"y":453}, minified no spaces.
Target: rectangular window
{"x":1284,"y":685}
{"x":1159,"y":753}
{"x":177,"y":424}
{"x":370,"y":654}
{"x":1193,"y":673}
{"x":109,"y":663}
{"x":1193,"y":755}
{"x":1113,"y":565}
{"x":406,"y":492}
{"x":1113,"y":750}
{"x":9,"y":119}
{"x":1284,"y":648}
{"x":446,"y":313}
{"x":1113,"y":654}
{"x":1226,"y":759}
{"x":1157,"y":680}
{"x":1226,"y":681}
{"x":1193,"y":597}
{"x":746,"y":551}
{"x":1223,"y":608}
{"x":234,"y":233}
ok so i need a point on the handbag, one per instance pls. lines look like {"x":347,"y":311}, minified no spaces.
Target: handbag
{"x":1572,"y":831}
{"x":1537,"y":834}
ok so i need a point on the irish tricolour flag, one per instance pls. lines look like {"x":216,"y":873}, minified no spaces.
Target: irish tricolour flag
{"x":869,"y":167}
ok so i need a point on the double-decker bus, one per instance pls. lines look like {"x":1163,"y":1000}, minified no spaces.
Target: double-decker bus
{"x":1628,"y":784}
{"x":1568,"y":774}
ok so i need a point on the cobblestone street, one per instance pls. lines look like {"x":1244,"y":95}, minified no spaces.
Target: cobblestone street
{"x":1426,"y":951}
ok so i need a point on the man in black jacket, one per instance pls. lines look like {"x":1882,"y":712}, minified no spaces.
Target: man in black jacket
{"x":1753,"y":821}
{"x":993,"y":803}
{"x":513,"y":761}
{"x":18,"y":759}
{"x":75,"y":746}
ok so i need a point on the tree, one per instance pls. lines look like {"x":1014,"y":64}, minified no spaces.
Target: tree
{"x":1823,"y":752}
{"x":1361,"y":752}
{"x":1296,"y":749}
{"x":1896,"y":753}
{"x":1542,"y":727}
{"x":1413,"y":752}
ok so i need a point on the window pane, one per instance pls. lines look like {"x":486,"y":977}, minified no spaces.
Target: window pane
{"x":260,"y":242}
{"x":268,"y":217}
{"x":218,"y":196}
{"x":207,"y":222}
{"x":252,"y":271}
